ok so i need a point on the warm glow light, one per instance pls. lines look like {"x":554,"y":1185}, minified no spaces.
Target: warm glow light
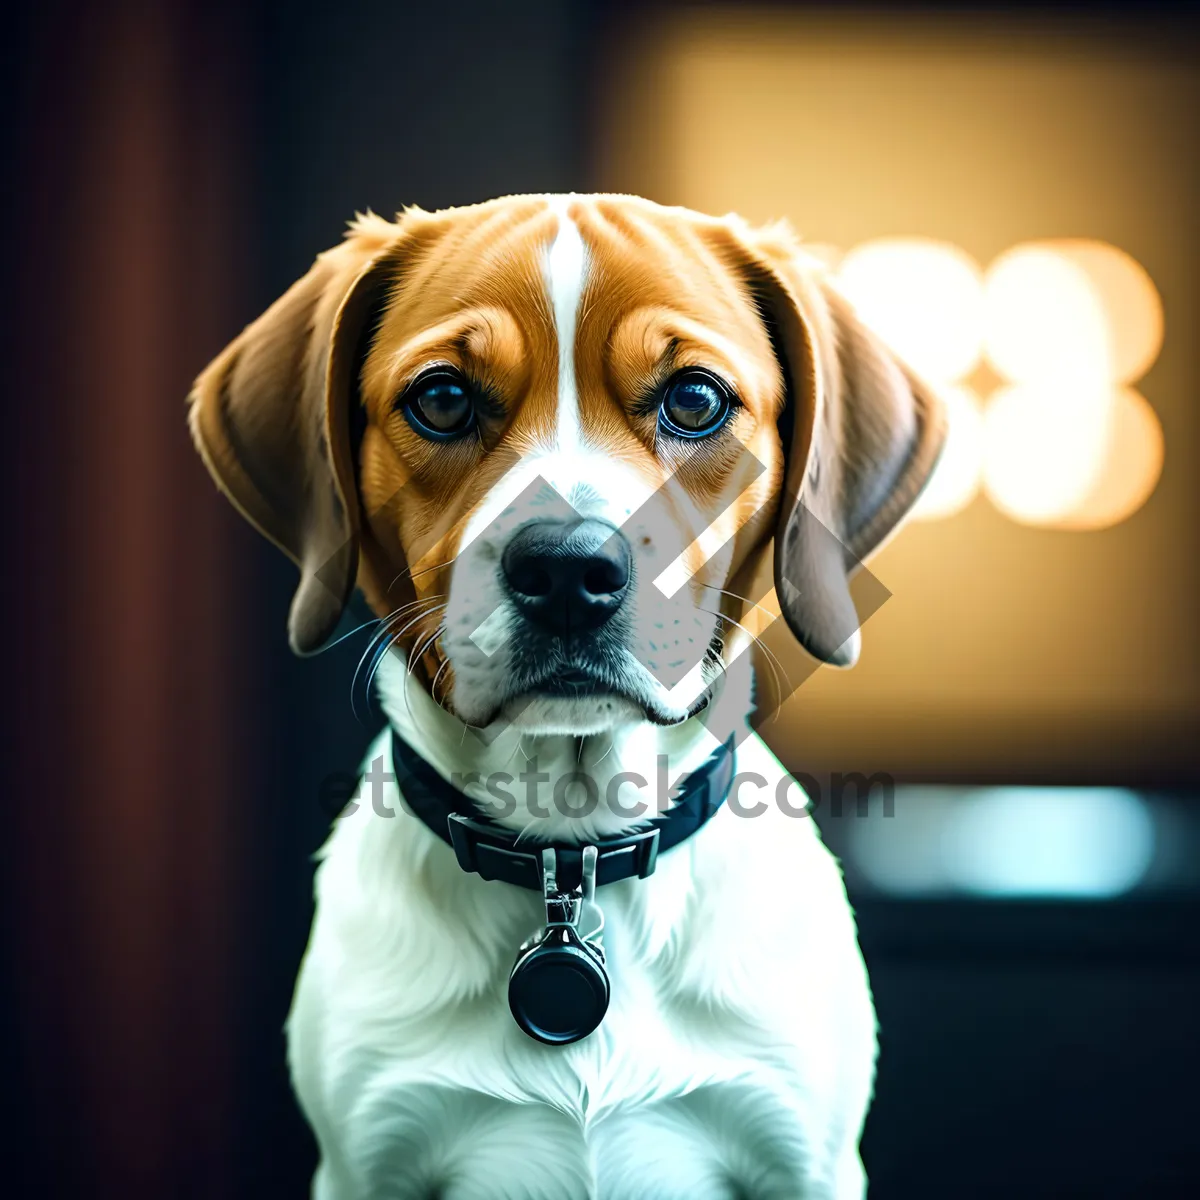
{"x":1066,"y":322}
{"x":1129,"y":469}
{"x":1045,"y":447}
{"x":1053,"y":459}
{"x":1047,"y":300}
{"x":1045,"y":319}
{"x":956,"y":479}
{"x":923,"y":298}
{"x":1068,"y":446}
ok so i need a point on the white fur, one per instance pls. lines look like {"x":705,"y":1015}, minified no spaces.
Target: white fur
{"x":566,"y":270}
{"x":736,"y":1059}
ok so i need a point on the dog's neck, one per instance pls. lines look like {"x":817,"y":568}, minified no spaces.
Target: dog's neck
{"x":567,"y":788}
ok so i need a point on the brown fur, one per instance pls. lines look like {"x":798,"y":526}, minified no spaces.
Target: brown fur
{"x":666,"y":289}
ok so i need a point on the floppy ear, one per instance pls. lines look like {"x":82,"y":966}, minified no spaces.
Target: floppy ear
{"x":271,"y":417}
{"x":861,"y":437}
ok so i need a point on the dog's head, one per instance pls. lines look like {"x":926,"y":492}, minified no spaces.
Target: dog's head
{"x":552,"y":438}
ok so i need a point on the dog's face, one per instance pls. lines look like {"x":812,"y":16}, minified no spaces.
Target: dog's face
{"x":566,"y":397}
{"x":551,"y":439}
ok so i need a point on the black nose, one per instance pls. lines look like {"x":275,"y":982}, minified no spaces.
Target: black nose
{"x":567,"y":576}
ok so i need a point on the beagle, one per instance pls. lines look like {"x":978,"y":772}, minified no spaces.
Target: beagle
{"x":553,"y":441}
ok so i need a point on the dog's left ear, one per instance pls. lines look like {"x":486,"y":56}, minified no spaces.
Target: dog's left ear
{"x":861,"y":436}
{"x":272,"y":418}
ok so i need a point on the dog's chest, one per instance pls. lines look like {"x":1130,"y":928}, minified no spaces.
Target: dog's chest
{"x":661,"y":1101}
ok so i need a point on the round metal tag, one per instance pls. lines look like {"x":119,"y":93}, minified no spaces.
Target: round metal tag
{"x":558,"y":989}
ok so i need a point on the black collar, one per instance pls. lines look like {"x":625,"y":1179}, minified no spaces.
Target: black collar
{"x":490,"y":849}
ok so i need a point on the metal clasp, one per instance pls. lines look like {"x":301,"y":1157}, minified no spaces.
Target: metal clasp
{"x":567,"y":909}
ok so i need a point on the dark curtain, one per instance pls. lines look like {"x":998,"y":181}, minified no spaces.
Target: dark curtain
{"x":123,"y":742}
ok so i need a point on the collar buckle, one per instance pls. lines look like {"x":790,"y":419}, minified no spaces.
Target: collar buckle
{"x":566,"y":908}
{"x":492,"y":853}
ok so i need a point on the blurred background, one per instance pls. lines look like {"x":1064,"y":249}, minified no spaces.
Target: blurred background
{"x":1008,"y":195}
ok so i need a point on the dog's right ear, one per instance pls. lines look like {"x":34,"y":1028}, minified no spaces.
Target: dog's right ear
{"x":271,"y":417}
{"x":861,"y":436}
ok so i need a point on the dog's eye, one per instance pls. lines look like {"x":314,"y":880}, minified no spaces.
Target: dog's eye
{"x":439,"y":405}
{"x":694,"y":404}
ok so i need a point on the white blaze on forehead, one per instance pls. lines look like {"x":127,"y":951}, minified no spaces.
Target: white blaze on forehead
{"x":566,"y":273}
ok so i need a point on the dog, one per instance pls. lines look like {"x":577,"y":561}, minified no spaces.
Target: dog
{"x":553,"y":440}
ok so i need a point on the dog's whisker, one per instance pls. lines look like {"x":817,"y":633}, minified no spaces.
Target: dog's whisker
{"x":380,"y":653}
{"x":417,"y":574}
{"x":426,"y":570}
{"x":367,"y":653}
{"x":381,"y":631}
{"x":406,"y":679}
{"x":405,"y":609}
{"x":346,"y":636}
{"x":754,"y":638}
{"x":395,"y":637}
{"x":611,"y":744}
{"x":420,"y":649}
{"x":415,"y":657}
{"x":526,"y":830}
{"x":734,"y":596}
{"x":772,"y":659}
{"x":381,"y":643}
{"x":513,"y":754}
{"x":418,"y":652}
{"x":386,"y":622}
{"x":437,"y":676}
{"x":774,"y":664}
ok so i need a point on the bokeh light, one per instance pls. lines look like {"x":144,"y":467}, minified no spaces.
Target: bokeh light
{"x":1085,"y":842}
{"x":1066,"y":842}
{"x":1130,"y":465}
{"x":1052,"y":305}
{"x":1064,"y":324}
{"x":924,"y":298}
{"x":956,"y":479}
{"x":1067,"y":446}
{"x":1046,"y":322}
{"x":1044,"y":448}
